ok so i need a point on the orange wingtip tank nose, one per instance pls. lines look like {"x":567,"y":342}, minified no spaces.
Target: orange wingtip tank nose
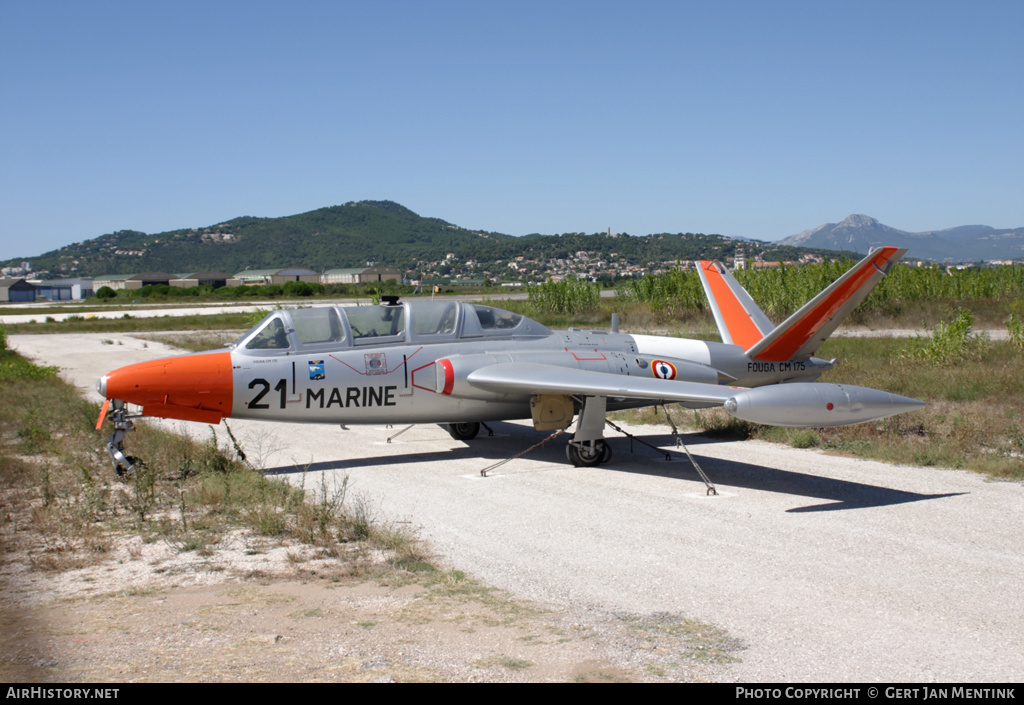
{"x":190,"y":387}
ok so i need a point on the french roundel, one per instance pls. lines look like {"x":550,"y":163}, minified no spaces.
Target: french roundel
{"x":663,"y":370}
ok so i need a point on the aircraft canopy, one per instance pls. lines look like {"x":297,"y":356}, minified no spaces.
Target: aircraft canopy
{"x":332,"y":327}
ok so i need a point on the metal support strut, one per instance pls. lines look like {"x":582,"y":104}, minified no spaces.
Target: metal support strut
{"x":668,"y":456}
{"x":707,"y":481}
{"x":679,"y":444}
{"x":483,"y":473}
{"x":124,"y":465}
{"x":396,"y":435}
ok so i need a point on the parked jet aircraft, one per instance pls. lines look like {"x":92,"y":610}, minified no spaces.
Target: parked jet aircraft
{"x":460,"y":364}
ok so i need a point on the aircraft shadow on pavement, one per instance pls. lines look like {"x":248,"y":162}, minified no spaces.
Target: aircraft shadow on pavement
{"x":840,"y":494}
{"x":634,"y":457}
{"x":508,"y":440}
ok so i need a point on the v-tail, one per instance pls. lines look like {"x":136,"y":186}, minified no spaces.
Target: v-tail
{"x":741,"y":322}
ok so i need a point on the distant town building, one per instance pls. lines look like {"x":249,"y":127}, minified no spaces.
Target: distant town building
{"x":252,"y":277}
{"x":64,"y":289}
{"x":132,"y":281}
{"x":360,"y":275}
{"x":214,"y":279}
{"x":348,"y":275}
{"x":14,"y":272}
{"x":17,"y":290}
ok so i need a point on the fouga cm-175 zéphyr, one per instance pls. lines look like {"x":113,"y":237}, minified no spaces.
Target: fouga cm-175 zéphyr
{"x":460,"y":364}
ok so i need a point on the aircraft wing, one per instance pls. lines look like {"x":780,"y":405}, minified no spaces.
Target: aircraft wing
{"x":797,"y":404}
{"x":536,"y":378}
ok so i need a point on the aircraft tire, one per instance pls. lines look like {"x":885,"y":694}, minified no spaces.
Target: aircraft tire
{"x":464,"y":431}
{"x":586,"y":457}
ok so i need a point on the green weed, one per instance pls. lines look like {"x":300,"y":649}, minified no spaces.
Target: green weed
{"x":1015,"y":329}
{"x":14,"y":368}
{"x":950,"y":343}
{"x":804,"y":438}
{"x":503,"y":661}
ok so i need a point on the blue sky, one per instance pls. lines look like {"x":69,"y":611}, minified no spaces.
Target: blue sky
{"x":754,"y":119}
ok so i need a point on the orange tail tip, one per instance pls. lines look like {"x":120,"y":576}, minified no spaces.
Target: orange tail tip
{"x":800,"y":335}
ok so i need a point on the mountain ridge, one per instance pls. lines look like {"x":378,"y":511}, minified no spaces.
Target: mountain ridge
{"x":358,"y":232}
{"x":965,"y":243}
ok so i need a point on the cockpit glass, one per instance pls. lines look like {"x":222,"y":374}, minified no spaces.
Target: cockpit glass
{"x":375,"y":321}
{"x":434,"y":317}
{"x":496,"y":318}
{"x":317,"y":325}
{"x":270,"y":337}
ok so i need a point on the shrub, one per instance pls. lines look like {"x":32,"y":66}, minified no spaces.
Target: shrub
{"x":949,"y":342}
{"x":300,"y":289}
{"x":1016,"y":330}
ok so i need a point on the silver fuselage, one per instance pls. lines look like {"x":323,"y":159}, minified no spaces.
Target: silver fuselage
{"x":394,"y":376}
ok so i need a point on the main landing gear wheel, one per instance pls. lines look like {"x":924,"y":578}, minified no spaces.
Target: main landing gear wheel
{"x":464,"y":431}
{"x":588,"y":455}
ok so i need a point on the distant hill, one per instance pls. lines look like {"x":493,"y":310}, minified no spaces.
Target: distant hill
{"x":967,"y":243}
{"x":349,"y":235}
{"x":355,"y":233}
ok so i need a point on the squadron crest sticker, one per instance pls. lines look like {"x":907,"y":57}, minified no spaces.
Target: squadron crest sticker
{"x":376,"y":364}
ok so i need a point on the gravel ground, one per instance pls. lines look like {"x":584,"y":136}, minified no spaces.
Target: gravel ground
{"x":822,"y":568}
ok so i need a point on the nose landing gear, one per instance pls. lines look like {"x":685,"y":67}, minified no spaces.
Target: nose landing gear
{"x":124,"y":465}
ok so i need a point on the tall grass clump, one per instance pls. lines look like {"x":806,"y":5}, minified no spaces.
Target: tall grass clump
{"x":780,"y":291}
{"x":567,"y":297}
{"x":1015,"y":329}
{"x":949,"y":342}
{"x":916,"y":287}
{"x":905,"y":292}
{"x":671,"y":292}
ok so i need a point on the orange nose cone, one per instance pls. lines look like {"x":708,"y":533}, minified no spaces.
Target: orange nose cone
{"x":190,"y":387}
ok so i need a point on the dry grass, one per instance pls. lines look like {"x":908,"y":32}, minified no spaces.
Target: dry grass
{"x":61,"y":503}
{"x":128,"y":324}
{"x":197,"y":341}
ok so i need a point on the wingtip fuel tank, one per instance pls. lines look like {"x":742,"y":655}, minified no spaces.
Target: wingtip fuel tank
{"x":818,"y":405}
